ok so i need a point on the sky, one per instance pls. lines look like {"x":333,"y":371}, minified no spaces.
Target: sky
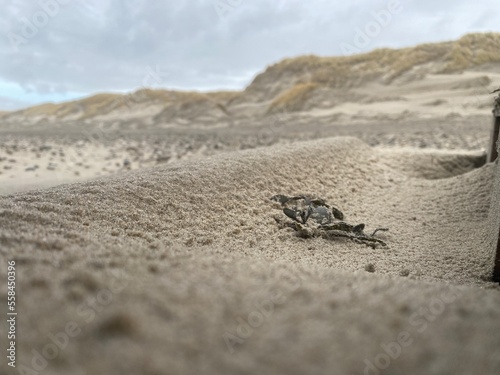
{"x":58,"y":50}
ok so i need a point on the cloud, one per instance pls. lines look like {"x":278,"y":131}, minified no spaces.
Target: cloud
{"x":110,"y":45}
{"x":10,"y":104}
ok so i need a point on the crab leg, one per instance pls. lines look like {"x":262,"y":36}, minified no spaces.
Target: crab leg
{"x":379,"y":229}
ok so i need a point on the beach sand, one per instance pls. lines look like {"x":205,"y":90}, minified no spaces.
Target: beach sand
{"x":47,"y":156}
{"x":145,"y":240}
{"x":181,"y":268}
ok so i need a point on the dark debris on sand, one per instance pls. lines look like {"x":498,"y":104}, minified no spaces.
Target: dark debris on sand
{"x":313,"y":217}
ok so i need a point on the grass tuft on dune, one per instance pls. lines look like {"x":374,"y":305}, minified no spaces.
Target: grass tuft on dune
{"x":293,"y":99}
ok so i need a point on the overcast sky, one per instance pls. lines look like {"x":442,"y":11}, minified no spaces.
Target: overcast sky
{"x":54,"y":50}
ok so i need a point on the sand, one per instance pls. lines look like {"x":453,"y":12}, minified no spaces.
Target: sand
{"x":161,"y":254}
{"x":49,"y":156}
{"x":181,"y":268}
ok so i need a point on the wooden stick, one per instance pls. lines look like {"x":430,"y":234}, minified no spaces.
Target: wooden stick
{"x":492,"y":152}
{"x":493,"y":155}
{"x":496,"y":269}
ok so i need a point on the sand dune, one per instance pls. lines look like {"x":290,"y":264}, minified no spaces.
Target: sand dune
{"x":456,"y":76}
{"x":210,"y":284}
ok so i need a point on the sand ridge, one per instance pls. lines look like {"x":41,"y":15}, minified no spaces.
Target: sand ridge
{"x":228,"y":202}
{"x":31,"y":159}
{"x":196,"y":250}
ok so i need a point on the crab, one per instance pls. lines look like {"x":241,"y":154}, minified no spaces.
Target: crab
{"x":313,"y":217}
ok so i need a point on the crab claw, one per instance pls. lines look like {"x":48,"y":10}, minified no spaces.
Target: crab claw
{"x":337,"y":214}
{"x":358,"y":228}
{"x":379,"y":229}
{"x":291,"y":214}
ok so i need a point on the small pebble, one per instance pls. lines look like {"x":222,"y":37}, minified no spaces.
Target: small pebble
{"x":370,"y":267}
{"x":404,"y":273}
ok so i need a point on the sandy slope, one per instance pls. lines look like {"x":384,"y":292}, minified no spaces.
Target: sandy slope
{"x":32,"y":159}
{"x":192,"y":256}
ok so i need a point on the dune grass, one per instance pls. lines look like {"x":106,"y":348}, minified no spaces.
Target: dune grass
{"x":385,"y":64}
{"x":473,"y":50}
{"x":48,"y":109}
{"x":290,"y":82}
{"x":96,"y":104}
{"x":88,"y":106}
{"x":104,"y":103}
{"x":293,"y":99}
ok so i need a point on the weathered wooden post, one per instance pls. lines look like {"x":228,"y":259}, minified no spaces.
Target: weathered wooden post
{"x":492,"y":151}
{"x":495,"y":217}
{"x":495,"y":202}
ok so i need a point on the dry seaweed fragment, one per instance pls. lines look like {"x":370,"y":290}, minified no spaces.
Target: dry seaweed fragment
{"x":315,"y":218}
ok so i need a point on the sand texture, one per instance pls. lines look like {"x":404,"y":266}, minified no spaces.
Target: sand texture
{"x":163,"y":253}
{"x":182,"y":269}
{"x":31,"y":159}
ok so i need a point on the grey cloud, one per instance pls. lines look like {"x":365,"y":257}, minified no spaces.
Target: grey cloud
{"x":108,"y":45}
